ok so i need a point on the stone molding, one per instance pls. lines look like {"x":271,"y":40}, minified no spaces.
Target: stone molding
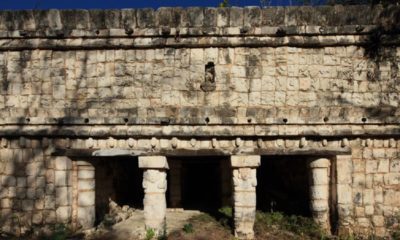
{"x":187,"y":131}
{"x":60,"y":23}
{"x":191,"y":42}
{"x":191,"y":27}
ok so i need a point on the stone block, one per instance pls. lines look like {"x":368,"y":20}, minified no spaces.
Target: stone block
{"x":236,"y":17}
{"x":319,"y":205}
{"x":156,"y":162}
{"x":27,"y":205}
{"x":62,"y":163}
{"x":344,"y":194}
{"x":63,"y":214}
{"x":391,"y":198}
{"x":61,"y":178}
{"x":378,"y":153}
{"x":86,"y":198}
{"x":319,"y":192}
{"x":238,"y":161}
{"x":395,"y":165}
{"x":320,"y":163}
{"x":86,"y":217}
{"x":63,"y":196}
{"x":49,"y":216}
{"x":371,"y":166}
{"x":88,"y":184}
{"x":369,"y":210}
{"x":49,"y":202}
{"x":319,"y":176}
{"x":378,"y":221}
{"x":86,"y":173}
{"x":245,"y":199}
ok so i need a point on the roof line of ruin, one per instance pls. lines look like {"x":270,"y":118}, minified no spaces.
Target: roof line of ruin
{"x":303,"y":26}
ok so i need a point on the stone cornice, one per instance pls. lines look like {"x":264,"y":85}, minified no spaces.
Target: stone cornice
{"x":187,"y":131}
{"x":196,"y":27}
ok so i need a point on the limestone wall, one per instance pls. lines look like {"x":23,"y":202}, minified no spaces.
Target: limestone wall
{"x":265,"y":85}
{"x":310,"y":81}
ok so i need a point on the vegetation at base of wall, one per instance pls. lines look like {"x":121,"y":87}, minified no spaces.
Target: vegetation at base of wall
{"x":150,"y":234}
{"x":298,"y":225}
{"x":48,"y":232}
{"x":188,"y":228}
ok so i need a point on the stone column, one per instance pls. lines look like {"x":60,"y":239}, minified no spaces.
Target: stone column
{"x":319,"y":191}
{"x":86,"y":199}
{"x":244,"y":194}
{"x":175,"y":191}
{"x":155,"y":186}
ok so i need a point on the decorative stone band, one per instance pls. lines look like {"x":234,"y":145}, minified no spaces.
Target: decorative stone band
{"x":188,"y":131}
{"x":137,"y":22}
{"x":191,"y":42}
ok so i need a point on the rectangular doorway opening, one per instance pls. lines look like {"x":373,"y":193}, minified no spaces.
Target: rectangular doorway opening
{"x":283,"y":185}
{"x":199,"y":183}
{"x":120,"y":180}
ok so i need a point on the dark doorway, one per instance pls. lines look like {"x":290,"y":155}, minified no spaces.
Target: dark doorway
{"x":201,"y":183}
{"x":120,"y":180}
{"x":283,"y":185}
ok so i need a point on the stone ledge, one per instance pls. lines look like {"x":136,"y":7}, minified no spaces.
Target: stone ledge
{"x":191,"y":42}
{"x":145,"y":152}
{"x":188,"y":131}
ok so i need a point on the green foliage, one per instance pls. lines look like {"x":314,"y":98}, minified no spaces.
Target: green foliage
{"x":296,"y":224}
{"x":150,"y":234}
{"x":226,"y":215}
{"x":226,"y":211}
{"x":188,"y":228}
{"x":203,"y":218}
{"x":224,"y":3}
{"x":61,"y":232}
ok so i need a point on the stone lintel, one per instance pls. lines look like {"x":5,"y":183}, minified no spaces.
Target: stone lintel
{"x":112,"y":152}
{"x":155,"y":162}
{"x":320,"y":163}
{"x":238,"y":161}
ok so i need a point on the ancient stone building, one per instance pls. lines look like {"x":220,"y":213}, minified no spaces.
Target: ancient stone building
{"x":292,"y":109}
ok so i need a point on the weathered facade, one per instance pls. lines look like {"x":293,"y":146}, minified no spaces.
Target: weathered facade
{"x":159,"y":87}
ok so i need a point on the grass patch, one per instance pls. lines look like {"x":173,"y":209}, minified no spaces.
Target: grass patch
{"x":293,"y":225}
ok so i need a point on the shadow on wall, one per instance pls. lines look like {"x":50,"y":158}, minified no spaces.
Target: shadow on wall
{"x":33,"y":182}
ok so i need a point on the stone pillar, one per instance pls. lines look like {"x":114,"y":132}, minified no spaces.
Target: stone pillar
{"x":244,"y":194}
{"x":86,"y":199}
{"x":155,"y":186}
{"x":319,"y":191}
{"x":175,"y":176}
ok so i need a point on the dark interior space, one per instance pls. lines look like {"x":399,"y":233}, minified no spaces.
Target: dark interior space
{"x":201,"y":183}
{"x":283,"y":185}
{"x":120,"y":180}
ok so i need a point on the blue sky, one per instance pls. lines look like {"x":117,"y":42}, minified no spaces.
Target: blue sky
{"x":88,"y":4}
